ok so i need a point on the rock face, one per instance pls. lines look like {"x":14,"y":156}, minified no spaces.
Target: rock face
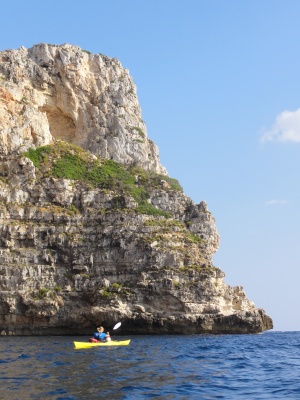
{"x":92,"y":228}
{"x":61,"y":92}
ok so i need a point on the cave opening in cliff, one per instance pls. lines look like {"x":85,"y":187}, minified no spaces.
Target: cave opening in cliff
{"x":61,"y":125}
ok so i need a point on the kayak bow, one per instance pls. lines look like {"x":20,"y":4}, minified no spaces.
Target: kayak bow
{"x":86,"y":345}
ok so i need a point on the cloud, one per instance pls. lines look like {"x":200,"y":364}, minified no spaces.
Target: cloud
{"x":285,"y":129}
{"x":276,"y":202}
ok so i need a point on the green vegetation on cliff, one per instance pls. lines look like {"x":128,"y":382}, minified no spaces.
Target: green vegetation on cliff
{"x":66,"y":161}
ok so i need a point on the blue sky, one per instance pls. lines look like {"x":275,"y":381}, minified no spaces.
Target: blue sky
{"x":218,"y":83}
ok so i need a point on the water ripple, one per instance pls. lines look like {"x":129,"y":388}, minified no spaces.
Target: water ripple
{"x":167,"y":367}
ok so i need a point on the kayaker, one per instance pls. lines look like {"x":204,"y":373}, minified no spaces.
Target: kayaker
{"x":100,"y":334}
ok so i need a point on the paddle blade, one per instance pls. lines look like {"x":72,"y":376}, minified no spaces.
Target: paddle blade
{"x":117,"y":326}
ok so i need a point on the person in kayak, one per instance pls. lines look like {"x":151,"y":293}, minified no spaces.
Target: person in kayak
{"x":100,"y":334}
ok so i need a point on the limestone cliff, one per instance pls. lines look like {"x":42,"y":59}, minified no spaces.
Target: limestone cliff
{"x":92,"y":228}
{"x":61,"y":92}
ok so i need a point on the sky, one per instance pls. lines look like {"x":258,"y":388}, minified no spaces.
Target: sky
{"x":218,"y":84}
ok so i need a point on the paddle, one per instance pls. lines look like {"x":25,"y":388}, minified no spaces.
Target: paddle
{"x":108,"y":338}
{"x":117,"y":326}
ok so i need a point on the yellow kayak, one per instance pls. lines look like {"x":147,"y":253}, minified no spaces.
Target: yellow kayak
{"x":86,"y":345}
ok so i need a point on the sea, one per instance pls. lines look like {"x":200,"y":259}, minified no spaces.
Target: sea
{"x":261,"y":366}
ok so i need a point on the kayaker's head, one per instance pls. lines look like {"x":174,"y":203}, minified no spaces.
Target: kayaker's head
{"x":100,"y":329}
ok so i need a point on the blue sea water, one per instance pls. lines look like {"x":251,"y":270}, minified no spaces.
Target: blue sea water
{"x":264,"y":366}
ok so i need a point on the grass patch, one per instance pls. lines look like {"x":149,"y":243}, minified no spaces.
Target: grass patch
{"x":194,"y":238}
{"x":199,"y":268}
{"x":139,"y":131}
{"x":38,"y":155}
{"x":40,"y":295}
{"x":106,"y":294}
{"x":65,"y":161}
{"x":149,"y":209}
{"x":70,"y":166}
{"x":114,"y":291}
{"x":176,"y":285}
{"x":116,"y":286}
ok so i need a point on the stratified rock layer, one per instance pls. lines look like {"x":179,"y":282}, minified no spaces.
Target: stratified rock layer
{"x":83,"y":246}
